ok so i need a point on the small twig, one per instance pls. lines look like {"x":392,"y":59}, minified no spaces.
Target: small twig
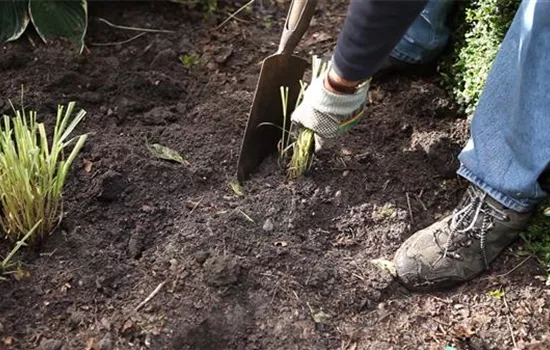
{"x":151,"y":296}
{"x":515,"y":268}
{"x":31,"y":41}
{"x":119,"y":42}
{"x":441,"y":322}
{"x":509,"y":322}
{"x":234,"y":14}
{"x":134,"y":28}
{"x":419,"y":199}
{"x":441,"y":300}
{"x":196,"y":205}
{"x":511,"y":331}
{"x":50,"y":254}
{"x":241,"y":20}
{"x":275,"y":289}
{"x":410,"y":209}
{"x":246,"y":216}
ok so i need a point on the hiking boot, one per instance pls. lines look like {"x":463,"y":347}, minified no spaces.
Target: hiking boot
{"x":393,"y":66}
{"x":461,"y":246}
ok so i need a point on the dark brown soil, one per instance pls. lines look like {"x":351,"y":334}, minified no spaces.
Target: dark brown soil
{"x":227,"y":279}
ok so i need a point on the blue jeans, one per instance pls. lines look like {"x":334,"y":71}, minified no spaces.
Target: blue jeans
{"x":427,"y":36}
{"x":509,"y":147}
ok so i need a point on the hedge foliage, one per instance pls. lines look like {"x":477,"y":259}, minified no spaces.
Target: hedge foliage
{"x":479,"y":27}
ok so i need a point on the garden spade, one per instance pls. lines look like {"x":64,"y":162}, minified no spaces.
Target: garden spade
{"x":283,"y":69}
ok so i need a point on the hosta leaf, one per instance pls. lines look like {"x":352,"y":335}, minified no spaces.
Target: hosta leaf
{"x":60,"y":18}
{"x":14,"y":19}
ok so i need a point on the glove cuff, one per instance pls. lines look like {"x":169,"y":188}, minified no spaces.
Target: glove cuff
{"x":330,"y":113}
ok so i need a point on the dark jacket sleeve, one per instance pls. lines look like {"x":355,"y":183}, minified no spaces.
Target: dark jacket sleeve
{"x":370,"y":32}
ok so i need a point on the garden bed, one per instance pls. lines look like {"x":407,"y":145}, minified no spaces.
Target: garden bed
{"x":228,"y":279}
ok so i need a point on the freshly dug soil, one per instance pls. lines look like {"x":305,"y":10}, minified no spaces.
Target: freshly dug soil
{"x":224,"y":278}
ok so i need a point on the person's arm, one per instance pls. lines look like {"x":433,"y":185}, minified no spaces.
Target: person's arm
{"x":370,"y":32}
{"x":335,"y":101}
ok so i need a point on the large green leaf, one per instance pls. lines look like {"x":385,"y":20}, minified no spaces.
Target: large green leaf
{"x":60,"y":18}
{"x":13,"y":19}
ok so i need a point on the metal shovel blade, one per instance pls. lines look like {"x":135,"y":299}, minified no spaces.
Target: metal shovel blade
{"x":261,"y":140}
{"x":283,"y":69}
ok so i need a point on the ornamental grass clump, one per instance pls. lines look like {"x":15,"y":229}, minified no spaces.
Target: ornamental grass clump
{"x":302,"y":154}
{"x":303,"y":145}
{"x":33,"y":171}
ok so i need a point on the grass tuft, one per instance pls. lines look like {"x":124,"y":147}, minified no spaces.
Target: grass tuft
{"x":303,"y":142}
{"x":33,"y":171}
{"x":302,"y":155}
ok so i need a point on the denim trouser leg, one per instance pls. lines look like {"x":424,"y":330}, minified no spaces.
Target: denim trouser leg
{"x":427,"y":36}
{"x":509,"y":147}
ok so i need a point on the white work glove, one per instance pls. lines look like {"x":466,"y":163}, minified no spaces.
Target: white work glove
{"x":329,"y":114}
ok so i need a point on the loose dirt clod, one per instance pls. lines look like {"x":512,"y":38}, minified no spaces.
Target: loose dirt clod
{"x":52,"y":344}
{"x":268,"y":225}
{"x":221,"y":271}
{"x":110,"y":186}
{"x":106,"y":343}
{"x":201,"y":256}
{"x":136,"y":244}
{"x":77,"y":318}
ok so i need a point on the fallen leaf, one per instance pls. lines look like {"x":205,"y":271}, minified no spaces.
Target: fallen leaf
{"x":166,"y":153}
{"x":498,"y":294}
{"x":462,"y":331}
{"x":88,"y":165}
{"x":346,"y":152}
{"x":7,"y":340}
{"x":92,"y":344}
{"x":385,"y":265}
{"x":156,"y":331}
{"x":541,"y":278}
{"x":20,"y":274}
{"x":375,"y":96}
{"x":318,"y":38}
{"x":147,"y":208}
{"x":344,"y":240}
{"x":319,"y":316}
{"x":236,"y":187}
{"x":223,"y":55}
{"x":66,"y":287}
{"x":127,"y":326}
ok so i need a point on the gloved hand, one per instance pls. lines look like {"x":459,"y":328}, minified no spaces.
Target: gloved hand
{"x":328,"y":113}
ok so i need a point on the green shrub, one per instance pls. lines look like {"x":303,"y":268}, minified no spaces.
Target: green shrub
{"x":537,"y":235}
{"x":51,"y":18}
{"x":208,"y":6}
{"x":479,"y":28}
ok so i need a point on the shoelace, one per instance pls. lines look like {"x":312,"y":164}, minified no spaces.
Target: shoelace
{"x":464,"y":220}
